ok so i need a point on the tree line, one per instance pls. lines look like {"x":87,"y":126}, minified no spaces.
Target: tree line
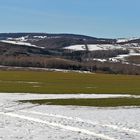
{"x":59,"y":63}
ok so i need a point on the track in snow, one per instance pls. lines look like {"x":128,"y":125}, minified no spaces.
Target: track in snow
{"x":70,"y":128}
{"x":36,"y":122}
{"x":35,"y":116}
{"x":85,"y":121}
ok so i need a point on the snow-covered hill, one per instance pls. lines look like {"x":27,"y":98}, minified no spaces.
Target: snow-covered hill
{"x":125,"y":40}
{"x":20,"y":43}
{"x":93,"y":47}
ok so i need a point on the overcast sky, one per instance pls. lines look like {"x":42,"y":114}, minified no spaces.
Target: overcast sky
{"x":99,"y":18}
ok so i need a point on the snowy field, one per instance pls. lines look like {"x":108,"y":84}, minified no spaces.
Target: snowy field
{"x":20,"y":43}
{"x":93,"y":47}
{"x":43,"y":122}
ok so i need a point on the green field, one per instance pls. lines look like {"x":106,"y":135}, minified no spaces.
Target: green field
{"x":103,"y":102}
{"x":63,"y":83}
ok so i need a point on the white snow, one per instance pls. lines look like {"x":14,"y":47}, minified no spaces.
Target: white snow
{"x":134,"y":50}
{"x":93,"y":47}
{"x":101,"y":60}
{"x":65,"y":127}
{"x":16,"y":42}
{"x":23,"y":39}
{"x":42,"y":122}
{"x":123,"y":40}
{"x":20,"y":43}
{"x":123,"y":56}
{"x":41,"y":37}
{"x":46,"y":69}
{"x":24,"y":96}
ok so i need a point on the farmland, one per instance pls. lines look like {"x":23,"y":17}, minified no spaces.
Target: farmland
{"x":68,"y":105}
{"x":68,"y":83}
{"x":108,"y":102}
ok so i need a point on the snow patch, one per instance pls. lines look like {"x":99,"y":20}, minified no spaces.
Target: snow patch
{"x":35,"y":122}
{"x":123,"y":40}
{"x":20,"y":43}
{"x":93,"y":47}
{"x":70,"y":128}
{"x":40,"y":37}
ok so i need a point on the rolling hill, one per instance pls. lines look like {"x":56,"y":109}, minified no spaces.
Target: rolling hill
{"x":79,"y":51}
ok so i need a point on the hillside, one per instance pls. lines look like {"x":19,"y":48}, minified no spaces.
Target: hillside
{"x":78,"y":51}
